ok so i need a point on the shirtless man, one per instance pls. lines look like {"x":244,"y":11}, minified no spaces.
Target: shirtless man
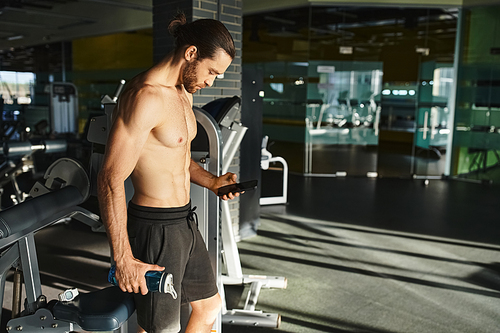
{"x":153,"y":125}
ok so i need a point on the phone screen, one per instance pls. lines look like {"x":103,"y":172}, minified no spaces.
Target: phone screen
{"x":238,"y":187}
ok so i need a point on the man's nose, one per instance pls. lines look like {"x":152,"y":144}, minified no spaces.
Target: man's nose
{"x":209,"y":82}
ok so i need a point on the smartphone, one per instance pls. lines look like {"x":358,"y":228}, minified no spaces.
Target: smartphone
{"x":238,"y":187}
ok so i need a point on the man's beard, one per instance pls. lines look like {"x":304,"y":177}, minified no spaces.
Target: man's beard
{"x":189,"y":77}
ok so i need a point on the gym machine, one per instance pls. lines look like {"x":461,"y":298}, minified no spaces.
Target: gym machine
{"x":207,"y":204}
{"x":56,"y":198}
{"x":224,"y":112}
{"x":266,"y":159}
{"x":18,"y":160}
{"x":63,"y":107}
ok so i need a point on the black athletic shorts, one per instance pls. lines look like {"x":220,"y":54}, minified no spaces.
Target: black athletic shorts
{"x":169,"y":237}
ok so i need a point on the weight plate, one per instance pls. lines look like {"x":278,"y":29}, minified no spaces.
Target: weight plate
{"x":71,"y":172}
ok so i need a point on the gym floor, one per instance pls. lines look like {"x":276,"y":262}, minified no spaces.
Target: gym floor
{"x":360,"y":255}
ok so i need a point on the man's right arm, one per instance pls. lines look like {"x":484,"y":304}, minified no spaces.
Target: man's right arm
{"x":126,"y":140}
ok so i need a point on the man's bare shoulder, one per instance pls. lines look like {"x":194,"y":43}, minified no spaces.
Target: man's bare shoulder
{"x":147,"y":91}
{"x":139,"y":104}
{"x":138,"y":91}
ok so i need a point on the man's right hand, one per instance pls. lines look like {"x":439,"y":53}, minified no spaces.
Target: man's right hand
{"x":130,"y":275}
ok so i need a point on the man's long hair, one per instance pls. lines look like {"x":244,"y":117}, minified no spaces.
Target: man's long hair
{"x":206,"y":34}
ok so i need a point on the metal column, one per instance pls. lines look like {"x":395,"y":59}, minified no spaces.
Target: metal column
{"x":207,"y":203}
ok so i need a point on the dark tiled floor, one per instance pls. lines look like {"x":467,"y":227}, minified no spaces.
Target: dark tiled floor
{"x":453,"y":209}
{"x":384,"y":255}
{"x":360,"y":255}
{"x":388,"y":159}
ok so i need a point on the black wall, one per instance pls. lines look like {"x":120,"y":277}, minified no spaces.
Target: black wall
{"x":251,"y":117}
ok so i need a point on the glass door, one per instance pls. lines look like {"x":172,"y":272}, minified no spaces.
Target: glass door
{"x":342,"y":117}
{"x":418,"y":80}
{"x":432,"y":119}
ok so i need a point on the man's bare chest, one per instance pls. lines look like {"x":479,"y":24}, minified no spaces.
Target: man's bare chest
{"x":177,"y":129}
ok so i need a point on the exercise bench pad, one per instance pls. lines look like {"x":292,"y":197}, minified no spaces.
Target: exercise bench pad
{"x":102,"y":310}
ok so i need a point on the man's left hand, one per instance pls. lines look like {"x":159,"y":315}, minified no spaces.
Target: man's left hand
{"x":226,"y":179}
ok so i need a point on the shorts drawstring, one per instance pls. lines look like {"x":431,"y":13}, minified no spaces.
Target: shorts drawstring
{"x":192,"y":216}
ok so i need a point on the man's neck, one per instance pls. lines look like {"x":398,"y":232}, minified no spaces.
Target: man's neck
{"x":168,"y":71}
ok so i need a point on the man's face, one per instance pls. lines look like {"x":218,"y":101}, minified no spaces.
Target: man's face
{"x":199,"y":74}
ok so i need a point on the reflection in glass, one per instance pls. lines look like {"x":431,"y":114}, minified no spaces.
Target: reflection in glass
{"x":433,"y":116}
{"x":343,"y":105}
{"x":344,"y":86}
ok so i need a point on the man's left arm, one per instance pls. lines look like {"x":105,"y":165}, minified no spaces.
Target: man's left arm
{"x":202,"y":177}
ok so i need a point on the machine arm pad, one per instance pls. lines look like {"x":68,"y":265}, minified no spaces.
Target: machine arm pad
{"x":31,"y":211}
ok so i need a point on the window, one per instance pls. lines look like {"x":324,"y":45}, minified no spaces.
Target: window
{"x":16,"y":87}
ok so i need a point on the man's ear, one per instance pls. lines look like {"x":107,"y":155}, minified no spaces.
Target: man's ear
{"x":191,"y":53}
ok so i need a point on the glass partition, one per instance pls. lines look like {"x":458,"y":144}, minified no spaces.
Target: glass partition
{"x":285,"y":94}
{"x":476,"y":143}
{"x":355,"y":90}
{"x":433,"y":118}
{"x":277,"y":44}
{"x":343,"y":109}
